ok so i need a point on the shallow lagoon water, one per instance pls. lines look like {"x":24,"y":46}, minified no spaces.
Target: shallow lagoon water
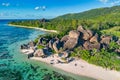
{"x":15,"y":66}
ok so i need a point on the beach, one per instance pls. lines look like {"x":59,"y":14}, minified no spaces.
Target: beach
{"x":82,"y":68}
{"x":53,"y":31}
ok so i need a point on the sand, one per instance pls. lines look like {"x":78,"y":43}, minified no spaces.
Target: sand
{"x":82,"y":68}
{"x":53,"y":31}
{"x":27,"y":51}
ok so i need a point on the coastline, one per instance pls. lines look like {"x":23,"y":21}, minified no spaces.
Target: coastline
{"x":53,"y":31}
{"x":83,"y":68}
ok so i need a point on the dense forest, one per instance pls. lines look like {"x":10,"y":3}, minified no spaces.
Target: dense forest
{"x":96,"y":19}
{"x":100,"y":20}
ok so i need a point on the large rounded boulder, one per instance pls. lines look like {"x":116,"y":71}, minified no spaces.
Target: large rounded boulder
{"x":39,"y":53}
{"x":94,"y":39}
{"x":65,"y":38}
{"x":90,"y":33}
{"x":70,"y":44}
{"x":50,"y":44}
{"x":106,"y":40}
{"x":74,"y":34}
{"x":85,"y":35}
{"x":90,"y":46}
{"x":56,"y":46}
{"x":80,"y":29}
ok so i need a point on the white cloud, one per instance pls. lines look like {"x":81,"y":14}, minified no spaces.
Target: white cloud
{"x":43,"y":7}
{"x":6,"y":4}
{"x":111,"y":2}
{"x":37,"y":8}
{"x":40,"y":7}
{"x":115,"y":2}
{"x":104,"y":1}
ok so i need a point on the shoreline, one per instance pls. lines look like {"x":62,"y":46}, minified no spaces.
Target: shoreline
{"x":83,"y":68}
{"x":30,"y":27}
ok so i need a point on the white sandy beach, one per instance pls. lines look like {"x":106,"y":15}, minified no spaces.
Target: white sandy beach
{"x":83,"y":68}
{"x":53,"y":31}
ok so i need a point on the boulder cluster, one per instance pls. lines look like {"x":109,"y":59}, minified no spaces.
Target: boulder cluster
{"x":85,"y":38}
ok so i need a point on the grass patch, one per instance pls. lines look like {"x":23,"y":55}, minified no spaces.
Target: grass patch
{"x":115,"y":31}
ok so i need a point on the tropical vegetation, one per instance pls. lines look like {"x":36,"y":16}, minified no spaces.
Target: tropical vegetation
{"x":101,"y":20}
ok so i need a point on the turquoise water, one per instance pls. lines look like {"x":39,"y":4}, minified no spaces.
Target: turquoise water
{"x":15,"y":66}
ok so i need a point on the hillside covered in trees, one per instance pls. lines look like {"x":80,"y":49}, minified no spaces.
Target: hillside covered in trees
{"x":95,"y":19}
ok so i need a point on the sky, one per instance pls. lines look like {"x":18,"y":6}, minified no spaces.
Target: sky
{"x":36,"y":9}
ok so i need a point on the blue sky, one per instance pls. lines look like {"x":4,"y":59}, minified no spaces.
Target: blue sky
{"x":35,"y":9}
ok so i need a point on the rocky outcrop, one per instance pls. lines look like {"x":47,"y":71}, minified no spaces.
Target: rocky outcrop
{"x":80,"y":29}
{"x":65,"y":38}
{"x":40,"y":41}
{"x":90,"y":33}
{"x":85,"y":34}
{"x":65,"y":54}
{"x":74,"y":34}
{"x":106,"y":39}
{"x":24,"y":46}
{"x":41,"y":52}
{"x":71,"y":40}
{"x":94,"y":39}
{"x":90,"y":46}
{"x":118,"y":42}
{"x":31,"y":44}
{"x":70,"y":44}
{"x":30,"y":55}
{"x":51,"y":43}
{"x":56,"y":46}
{"x":86,"y":39}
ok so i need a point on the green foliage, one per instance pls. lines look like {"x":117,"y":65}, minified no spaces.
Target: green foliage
{"x":36,"y":40}
{"x":115,"y":31}
{"x":102,"y":58}
{"x":40,"y":47}
{"x":113,"y":45}
{"x":94,"y":13}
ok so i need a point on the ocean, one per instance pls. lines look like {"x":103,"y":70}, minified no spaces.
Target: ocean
{"x":16,"y":66}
